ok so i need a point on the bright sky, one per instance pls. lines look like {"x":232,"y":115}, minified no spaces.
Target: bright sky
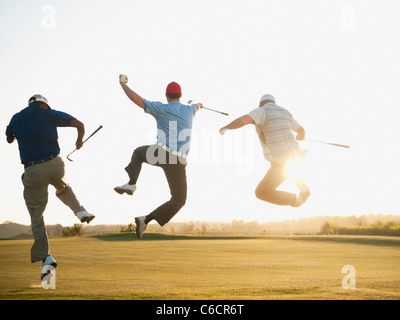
{"x":334,"y":64}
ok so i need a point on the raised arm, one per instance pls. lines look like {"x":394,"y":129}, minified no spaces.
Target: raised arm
{"x":123,"y":80}
{"x":237,"y":123}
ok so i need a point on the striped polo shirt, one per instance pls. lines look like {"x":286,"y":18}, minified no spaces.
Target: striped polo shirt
{"x":274,"y":127}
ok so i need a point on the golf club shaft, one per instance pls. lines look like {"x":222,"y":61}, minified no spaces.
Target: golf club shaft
{"x":86,"y":140}
{"x":330,"y":143}
{"x":220,"y":112}
{"x":225,"y":114}
{"x":92,"y":134}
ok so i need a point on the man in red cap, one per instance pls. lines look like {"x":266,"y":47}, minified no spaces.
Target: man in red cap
{"x":174,"y":126}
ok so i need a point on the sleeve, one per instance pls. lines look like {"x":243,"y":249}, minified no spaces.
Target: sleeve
{"x":193,"y":110}
{"x":152,"y":107}
{"x":258,"y":115}
{"x":295,"y":125}
{"x":9,"y":132}
{"x":61,"y":119}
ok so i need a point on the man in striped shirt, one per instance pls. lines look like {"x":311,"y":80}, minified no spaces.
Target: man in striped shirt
{"x":274,"y":126}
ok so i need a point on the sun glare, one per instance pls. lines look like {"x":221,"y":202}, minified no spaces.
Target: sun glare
{"x":296,"y":170}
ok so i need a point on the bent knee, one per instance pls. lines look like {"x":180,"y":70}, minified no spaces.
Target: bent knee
{"x":62,"y":188}
{"x":263,"y":193}
{"x":258,"y":194}
{"x":179,"y":201}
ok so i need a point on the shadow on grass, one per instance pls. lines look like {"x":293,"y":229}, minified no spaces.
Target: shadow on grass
{"x":372,"y":241}
{"x":129,"y":236}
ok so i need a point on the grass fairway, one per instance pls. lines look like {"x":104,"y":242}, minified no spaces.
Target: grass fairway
{"x":118,"y":266}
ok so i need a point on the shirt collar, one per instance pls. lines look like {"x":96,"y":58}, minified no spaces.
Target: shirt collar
{"x":32,"y":104}
{"x":174,"y":102}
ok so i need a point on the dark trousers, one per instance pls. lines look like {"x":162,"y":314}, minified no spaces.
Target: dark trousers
{"x":175,"y":171}
{"x":266,"y":189}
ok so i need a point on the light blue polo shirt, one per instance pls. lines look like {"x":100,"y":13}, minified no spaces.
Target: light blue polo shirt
{"x":174,"y":123}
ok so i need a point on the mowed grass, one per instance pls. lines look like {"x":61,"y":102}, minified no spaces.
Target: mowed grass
{"x":119,"y":266}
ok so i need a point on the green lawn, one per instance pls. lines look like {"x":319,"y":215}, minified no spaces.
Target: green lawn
{"x":119,"y":266}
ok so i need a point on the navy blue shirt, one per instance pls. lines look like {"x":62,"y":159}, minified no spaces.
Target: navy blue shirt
{"x":35,"y":129}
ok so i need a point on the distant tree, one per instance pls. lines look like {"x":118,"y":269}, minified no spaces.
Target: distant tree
{"x":75,"y":230}
{"x":187,"y":228}
{"x":55,"y":230}
{"x":329,"y":229}
{"x":203,"y":229}
{"x":128,"y":228}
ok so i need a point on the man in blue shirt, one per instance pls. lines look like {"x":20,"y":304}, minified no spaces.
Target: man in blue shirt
{"x":174,"y":126}
{"x":35,"y":129}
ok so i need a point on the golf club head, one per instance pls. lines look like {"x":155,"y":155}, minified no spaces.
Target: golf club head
{"x":69,"y":155}
{"x":84,"y":142}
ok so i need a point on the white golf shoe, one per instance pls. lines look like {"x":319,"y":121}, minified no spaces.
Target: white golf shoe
{"x":84,"y":216}
{"x":48,"y":266}
{"x":126,"y":188}
{"x":304,"y":191}
{"x":302,"y":197}
{"x":140,"y":226}
{"x":299,"y":201}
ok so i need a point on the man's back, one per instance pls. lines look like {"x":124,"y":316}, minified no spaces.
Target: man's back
{"x":274,"y":126}
{"x":174,"y":123}
{"x":277,"y":124}
{"x":35,"y":129}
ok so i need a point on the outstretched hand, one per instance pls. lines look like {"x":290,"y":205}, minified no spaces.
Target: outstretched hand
{"x":123,"y":78}
{"x":198,"y":106}
{"x":222,"y":131}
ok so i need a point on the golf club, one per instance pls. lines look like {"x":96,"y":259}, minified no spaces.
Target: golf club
{"x":220,"y":112}
{"x":330,"y":143}
{"x":84,"y":142}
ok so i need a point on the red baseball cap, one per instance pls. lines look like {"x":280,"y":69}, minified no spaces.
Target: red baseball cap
{"x":173,"y":87}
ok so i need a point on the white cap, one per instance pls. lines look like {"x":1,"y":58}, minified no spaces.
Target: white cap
{"x":38,"y":97}
{"x":267,"y":97}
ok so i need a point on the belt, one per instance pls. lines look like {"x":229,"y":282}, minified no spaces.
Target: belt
{"x":176,"y":153}
{"x":28,"y":164}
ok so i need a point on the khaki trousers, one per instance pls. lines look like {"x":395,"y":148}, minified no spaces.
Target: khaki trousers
{"x":36,"y":180}
{"x":266,"y":189}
